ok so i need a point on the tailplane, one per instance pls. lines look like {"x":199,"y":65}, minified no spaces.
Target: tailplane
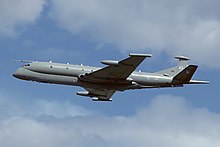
{"x":198,"y":82}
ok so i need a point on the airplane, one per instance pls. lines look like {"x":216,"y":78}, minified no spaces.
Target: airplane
{"x":101,"y":83}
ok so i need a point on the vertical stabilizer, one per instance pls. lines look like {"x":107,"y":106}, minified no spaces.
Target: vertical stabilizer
{"x":183,"y":63}
{"x":186,"y":74}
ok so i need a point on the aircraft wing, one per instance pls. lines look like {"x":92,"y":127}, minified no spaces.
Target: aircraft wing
{"x":116,"y":71}
{"x":98,"y":94}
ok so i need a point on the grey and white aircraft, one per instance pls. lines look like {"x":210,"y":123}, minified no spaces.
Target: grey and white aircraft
{"x":101,"y":83}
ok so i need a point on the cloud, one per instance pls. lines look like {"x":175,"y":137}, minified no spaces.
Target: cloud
{"x":167,"y":121}
{"x":177,"y":27}
{"x":14,"y":13}
{"x":12,"y":107}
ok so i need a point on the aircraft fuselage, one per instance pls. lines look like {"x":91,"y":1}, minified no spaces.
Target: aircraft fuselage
{"x":68,"y":74}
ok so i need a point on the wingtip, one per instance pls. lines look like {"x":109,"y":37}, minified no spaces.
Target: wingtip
{"x":140,"y":55}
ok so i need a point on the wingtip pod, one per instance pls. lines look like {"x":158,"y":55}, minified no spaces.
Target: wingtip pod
{"x":139,"y":55}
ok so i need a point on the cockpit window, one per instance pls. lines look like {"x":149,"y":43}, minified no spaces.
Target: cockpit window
{"x":27,"y":65}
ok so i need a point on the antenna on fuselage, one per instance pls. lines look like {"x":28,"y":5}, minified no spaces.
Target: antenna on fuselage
{"x":24,"y":61}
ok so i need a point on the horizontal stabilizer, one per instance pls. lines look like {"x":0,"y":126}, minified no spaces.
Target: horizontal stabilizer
{"x":198,"y":82}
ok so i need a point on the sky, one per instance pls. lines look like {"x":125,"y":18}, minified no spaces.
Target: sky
{"x":89,"y":31}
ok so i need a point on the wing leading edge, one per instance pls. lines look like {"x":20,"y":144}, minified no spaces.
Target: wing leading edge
{"x":117,"y":72}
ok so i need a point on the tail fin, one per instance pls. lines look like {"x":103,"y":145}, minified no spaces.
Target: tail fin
{"x":183,"y":63}
{"x":186,"y":74}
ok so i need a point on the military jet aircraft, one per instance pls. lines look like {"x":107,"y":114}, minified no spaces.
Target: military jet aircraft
{"x":101,"y":83}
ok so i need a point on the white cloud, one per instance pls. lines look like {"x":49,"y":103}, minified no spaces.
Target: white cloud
{"x":12,"y":107}
{"x":177,"y":27}
{"x":166,"y":121}
{"x":18,"y":12}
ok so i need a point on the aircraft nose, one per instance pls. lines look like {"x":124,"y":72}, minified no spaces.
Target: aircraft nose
{"x":19,"y":74}
{"x":16,"y":75}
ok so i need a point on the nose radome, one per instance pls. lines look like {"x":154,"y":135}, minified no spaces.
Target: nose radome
{"x":16,"y":74}
{"x":19,"y":74}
